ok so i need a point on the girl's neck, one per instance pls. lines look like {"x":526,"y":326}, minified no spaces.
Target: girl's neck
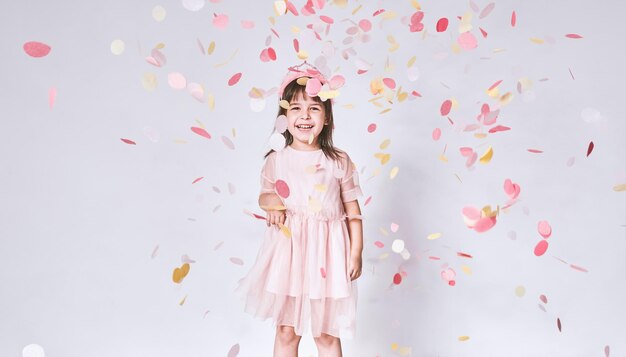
{"x":304,"y":147}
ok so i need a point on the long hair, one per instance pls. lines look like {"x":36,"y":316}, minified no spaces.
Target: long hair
{"x":325,"y":139}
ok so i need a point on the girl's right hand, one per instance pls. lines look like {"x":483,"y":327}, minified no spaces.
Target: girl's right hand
{"x":275,"y":217}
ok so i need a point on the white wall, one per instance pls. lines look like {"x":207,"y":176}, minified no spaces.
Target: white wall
{"x":81,"y":212}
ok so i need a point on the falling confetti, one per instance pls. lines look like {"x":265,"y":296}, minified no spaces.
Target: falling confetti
{"x":442,"y":24}
{"x":201,"y":132}
{"x":117,"y":47}
{"x":234,"y":351}
{"x":52,"y":95}
{"x":33,"y":350}
{"x":128,"y":141}
{"x":180,"y":273}
{"x":236,"y":260}
{"x":541,"y":248}
{"x":36,"y":49}
{"x":397,"y":278}
{"x":234,"y":79}
{"x":558,"y":323}
{"x":590,"y":148}
{"x":229,"y":144}
{"x":544,"y":229}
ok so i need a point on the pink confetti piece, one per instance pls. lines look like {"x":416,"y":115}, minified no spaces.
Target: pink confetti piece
{"x":394,"y":227}
{"x":483,"y":32}
{"x":234,"y":79}
{"x":282,"y":188}
{"x":442,"y":24}
{"x":541,"y":247}
{"x":445,"y":107}
{"x":236,"y":260}
{"x":296,"y":45}
{"x":467,"y":41}
{"x":416,"y":94}
{"x":371,"y":128}
{"x":367,"y":201}
{"x":397,"y":278}
{"x":176,"y":80}
{"x":487,"y":10}
{"x":323,"y":272}
{"x":571,"y":74}
{"x":448,"y":275}
{"x":218,"y":245}
{"x":544,"y":229}
{"x":128,"y":141}
{"x":201,"y":132}
{"x":484,"y":224}
{"x":234,"y":351}
{"x":220,"y":21}
{"x":327,"y":19}
{"x":155,"y":251}
{"x":416,"y":24}
{"x":319,"y":3}
{"x":336,"y":81}
{"x":229,"y":144}
{"x":434,"y":258}
{"x":513,"y":19}
{"x":497,"y":83}
{"x":590,"y":148}
{"x":579,"y":268}
{"x":573,"y":35}
{"x":436,"y":134}
{"x":247,"y":24}
{"x":498,"y":128}
{"x":365,"y":25}
{"x":36,"y":49}
{"x":543,"y":299}
{"x":313,"y":87}
{"x":198,"y":179}
{"x":511,"y":189}
{"x":379,"y":244}
{"x":52,"y":95}
{"x":378,"y":12}
{"x":535,"y":151}
{"x":465,"y":151}
{"x":607,"y":351}
{"x":291,"y":8}
{"x":389,"y":82}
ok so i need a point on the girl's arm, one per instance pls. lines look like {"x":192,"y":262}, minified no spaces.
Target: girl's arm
{"x":355,"y":230}
{"x":273,"y":205}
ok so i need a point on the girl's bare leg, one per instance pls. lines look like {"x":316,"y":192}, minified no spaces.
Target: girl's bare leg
{"x":286,"y":342}
{"x":328,"y":346}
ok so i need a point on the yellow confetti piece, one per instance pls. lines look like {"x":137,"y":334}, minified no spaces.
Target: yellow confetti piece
{"x":340,"y":3}
{"x":314,"y":204}
{"x":402,"y":96}
{"x":320,"y":187}
{"x":149,"y":81}
{"x":311,"y":137}
{"x":302,"y":54}
{"x":389,"y":15}
{"x":182,"y":301}
{"x":285,"y":231}
{"x":158,"y":13}
{"x":411,"y":61}
{"x":328,"y":94}
{"x":416,"y":5}
{"x":434,"y":236}
{"x":160,"y":46}
{"x":295,"y":30}
{"x":525,"y":83}
{"x":466,"y":22}
{"x":280,"y":8}
{"x":383,"y":231}
{"x":404,"y":351}
{"x":353,"y":11}
{"x":463,"y":338}
{"x":348,"y":106}
{"x":117,"y":47}
{"x":536,"y":40}
{"x":456,"y":48}
{"x":272,"y":20}
{"x":498,"y":50}
{"x":506,"y":98}
{"x":520,"y":291}
{"x":302,"y":81}
{"x":385,"y":111}
{"x":228,"y":60}
{"x":443,"y":158}
{"x":394,"y":45}
{"x":467,"y":270}
{"x":284,"y":104}
{"x":394,"y":346}
{"x":385,"y":144}
{"x":493,"y":93}
{"x":480,"y":135}
{"x":234,"y":132}
{"x":211,"y":48}
{"x":180,"y":273}
{"x":211,"y":101}
{"x":384,"y":158}
{"x":619,"y":188}
{"x":383,"y":256}
{"x":486,"y":156}
{"x":394,"y":172}
{"x":487,"y":212}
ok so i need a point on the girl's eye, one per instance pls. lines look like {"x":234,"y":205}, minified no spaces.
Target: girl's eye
{"x":315,"y":108}
{"x":294,"y":108}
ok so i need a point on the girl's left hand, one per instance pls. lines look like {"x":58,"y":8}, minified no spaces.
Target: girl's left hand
{"x":355,"y":267}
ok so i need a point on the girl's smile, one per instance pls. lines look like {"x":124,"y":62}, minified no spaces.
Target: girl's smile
{"x":305,"y":119}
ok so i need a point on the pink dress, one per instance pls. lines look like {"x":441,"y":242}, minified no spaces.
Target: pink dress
{"x":303,"y":279}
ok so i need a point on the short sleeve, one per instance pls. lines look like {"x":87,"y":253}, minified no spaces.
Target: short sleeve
{"x":350,"y":188}
{"x":268,"y":174}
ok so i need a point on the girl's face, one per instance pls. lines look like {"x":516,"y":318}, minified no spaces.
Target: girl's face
{"x":305,"y":119}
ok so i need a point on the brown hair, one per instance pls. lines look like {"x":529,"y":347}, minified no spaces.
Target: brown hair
{"x":325,"y":139}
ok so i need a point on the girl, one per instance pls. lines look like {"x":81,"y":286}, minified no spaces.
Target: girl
{"x":310,"y":257}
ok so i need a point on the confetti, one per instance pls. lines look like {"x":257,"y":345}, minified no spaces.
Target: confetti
{"x":463,"y":338}
{"x":33,"y":350}
{"x":234,"y":351}
{"x":397,"y":246}
{"x":487,"y":10}
{"x":180,"y":273}
{"x":117,"y":47}
{"x":282,"y":189}
{"x":394,"y":172}
{"x":285,"y":231}
{"x":176,"y":80}
{"x":434,"y":236}
{"x":590,"y":148}
{"x":234,"y":79}
{"x":154,"y":252}
{"x":445,"y":107}
{"x":619,"y":188}
{"x":201,"y":132}
{"x":128,"y":141}
{"x":149,"y":81}
{"x":52,"y":95}
{"x":371,"y":128}
{"x":198,"y":179}
{"x":436,"y":134}
{"x":607,"y":351}
{"x":544,"y":229}
{"x":576,"y":267}
{"x":543,"y":299}
{"x":323,"y":272}
{"x":220,"y":21}
{"x":379,"y":244}
{"x":541,"y":247}
{"x":247,"y":24}
{"x":36,"y":49}
{"x":573,"y":35}
{"x":486,"y":156}
{"x":193,"y":5}
{"x":236,"y":260}
{"x":158,"y":13}
{"x":442,"y":24}
{"x":558,"y":324}
{"x":513,"y":19}
{"x":520,"y":291}
{"x":397,"y":278}
{"x":229,"y":144}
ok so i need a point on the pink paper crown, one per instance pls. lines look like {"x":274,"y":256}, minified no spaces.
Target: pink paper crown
{"x":296,"y":72}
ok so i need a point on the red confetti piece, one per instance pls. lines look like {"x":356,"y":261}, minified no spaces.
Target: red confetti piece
{"x":416,"y":94}
{"x":258,"y":216}
{"x":513,"y":19}
{"x":544,"y":229}
{"x":576,"y":267}
{"x":371,"y":128}
{"x":378,"y":12}
{"x":397,"y":278}
{"x":445,"y":107}
{"x":452,"y":283}
{"x":442,"y":24}
{"x":390,"y":83}
{"x":198,"y":179}
{"x":201,"y":132}
{"x":275,"y":33}
{"x":291,"y":8}
{"x":541,"y":247}
{"x":128,"y":141}
{"x":379,"y":244}
{"x":558,"y":324}
{"x":495,"y":85}
{"x":573,"y":35}
{"x":463,"y":255}
{"x":282,"y":188}
{"x":296,"y":45}
{"x":323,"y":272}
{"x":36,"y":49}
{"x":327,"y":19}
{"x":498,"y":128}
{"x":536,"y":151}
{"x":590,"y":148}
{"x":234,"y":79}
{"x":483,"y":32}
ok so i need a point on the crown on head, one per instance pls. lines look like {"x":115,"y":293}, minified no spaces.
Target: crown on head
{"x":304,"y":69}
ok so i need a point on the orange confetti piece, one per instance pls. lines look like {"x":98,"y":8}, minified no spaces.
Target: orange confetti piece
{"x":128,"y":141}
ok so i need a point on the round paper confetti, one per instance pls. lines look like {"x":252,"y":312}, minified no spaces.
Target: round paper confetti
{"x":149,"y":81}
{"x":442,"y":24}
{"x":33,"y":350}
{"x":193,"y":5}
{"x":541,"y":247}
{"x":176,"y":80}
{"x":277,"y":142}
{"x":234,"y":351}
{"x":397,"y":278}
{"x":257,"y":105}
{"x":544,"y":229}
{"x":467,"y":41}
{"x":281,"y":124}
{"x":371,"y":128}
{"x":117,"y":47}
{"x":397,"y":246}
{"x":405,"y":254}
{"x":282,"y":188}
{"x":36,"y":49}
{"x":445,"y":107}
{"x":520,"y":291}
{"x":158,"y":13}
{"x":234,"y":79}
{"x":436,"y":134}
